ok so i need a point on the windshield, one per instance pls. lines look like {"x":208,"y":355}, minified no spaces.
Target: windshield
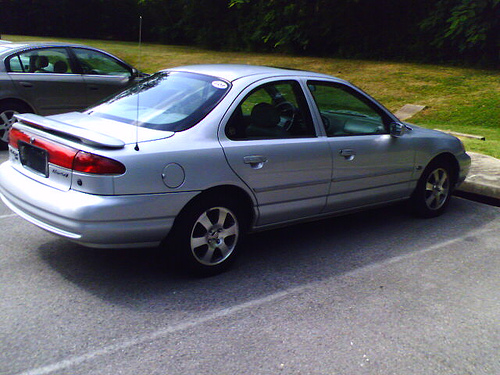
{"x":172,"y":101}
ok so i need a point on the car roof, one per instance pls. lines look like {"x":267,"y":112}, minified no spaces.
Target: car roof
{"x":232,"y":72}
{"x":15,"y":45}
{"x":8,"y":48}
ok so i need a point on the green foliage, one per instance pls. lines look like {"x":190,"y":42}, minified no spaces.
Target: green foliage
{"x":467,"y":28}
{"x":237,"y":2}
{"x":425,"y":30}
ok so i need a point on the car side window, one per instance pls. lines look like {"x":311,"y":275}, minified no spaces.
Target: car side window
{"x":272,"y":111}
{"x":45,"y":60}
{"x":344,"y":112}
{"x":97,"y":63}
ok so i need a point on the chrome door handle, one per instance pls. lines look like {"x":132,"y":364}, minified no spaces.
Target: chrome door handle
{"x":255,"y":161}
{"x":348,"y":153}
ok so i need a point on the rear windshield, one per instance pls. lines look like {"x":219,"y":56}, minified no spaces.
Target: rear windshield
{"x":3,"y":49}
{"x":172,"y":101}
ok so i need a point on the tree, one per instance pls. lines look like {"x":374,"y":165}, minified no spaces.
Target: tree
{"x":468,"y":29}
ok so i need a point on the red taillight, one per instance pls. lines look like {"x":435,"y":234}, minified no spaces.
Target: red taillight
{"x":58,"y":154}
{"x":16,"y":135}
{"x":69,"y":157}
{"x":90,"y":163}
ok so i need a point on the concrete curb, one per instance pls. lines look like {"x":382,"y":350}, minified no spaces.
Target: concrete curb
{"x":484,"y":177}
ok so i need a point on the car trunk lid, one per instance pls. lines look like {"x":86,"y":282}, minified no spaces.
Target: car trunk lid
{"x":51,"y":150}
{"x":91,"y":130}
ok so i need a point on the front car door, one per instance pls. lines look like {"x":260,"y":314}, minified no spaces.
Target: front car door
{"x":271,"y":144}
{"x":45,"y":78}
{"x":103,"y":74}
{"x":369,"y":165}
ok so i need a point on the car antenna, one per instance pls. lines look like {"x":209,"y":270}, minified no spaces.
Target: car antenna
{"x":136,"y":148}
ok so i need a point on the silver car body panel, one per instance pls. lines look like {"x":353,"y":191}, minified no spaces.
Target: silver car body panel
{"x":89,"y":219}
{"x":287,"y":180}
{"x":92,"y":138}
{"x":370,"y":169}
{"x":290,"y":180}
{"x":431,"y":143}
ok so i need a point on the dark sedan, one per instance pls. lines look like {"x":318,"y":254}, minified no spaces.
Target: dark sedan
{"x":51,"y":78}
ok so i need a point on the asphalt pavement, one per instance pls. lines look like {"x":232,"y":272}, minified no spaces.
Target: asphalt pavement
{"x":378,"y":292}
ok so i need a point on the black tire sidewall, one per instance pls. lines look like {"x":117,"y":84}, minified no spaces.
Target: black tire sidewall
{"x":178,"y":241}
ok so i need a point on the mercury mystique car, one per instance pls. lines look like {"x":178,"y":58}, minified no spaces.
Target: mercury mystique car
{"x":193,"y":157}
{"x":50,"y":78}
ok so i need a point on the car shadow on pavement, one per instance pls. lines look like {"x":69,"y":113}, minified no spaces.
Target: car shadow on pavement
{"x":270,"y":262}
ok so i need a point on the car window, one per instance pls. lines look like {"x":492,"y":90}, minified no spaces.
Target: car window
{"x":173,"y":101}
{"x":97,"y":63}
{"x":274,"y":110}
{"x":44,"y":60}
{"x":344,"y":112}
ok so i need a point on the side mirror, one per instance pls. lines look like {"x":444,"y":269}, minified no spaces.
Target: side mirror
{"x":134,"y":74}
{"x":397,"y":129}
{"x":137,"y":74}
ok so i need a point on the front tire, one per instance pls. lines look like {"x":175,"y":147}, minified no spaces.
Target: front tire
{"x":434,"y":189}
{"x":206,"y":236}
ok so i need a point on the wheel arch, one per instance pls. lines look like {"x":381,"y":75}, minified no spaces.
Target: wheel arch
{"x":420,"y":196}
{"x":18,"y":102}
{"x":231,"y":192}
{"x":451,"y":160}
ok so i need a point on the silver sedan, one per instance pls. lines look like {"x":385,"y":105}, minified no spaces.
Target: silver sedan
{"x":50,"y":78}
{"x":192,"y":158}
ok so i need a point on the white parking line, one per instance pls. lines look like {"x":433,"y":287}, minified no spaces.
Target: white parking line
{"x":76,"y":360}
{"x":72,"y":361}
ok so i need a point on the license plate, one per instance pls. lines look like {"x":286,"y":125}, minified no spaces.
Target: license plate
{"x":34,"y":158}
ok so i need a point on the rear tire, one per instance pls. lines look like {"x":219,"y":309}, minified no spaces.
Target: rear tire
{"x":7,"y":112}
{"x":206,"y":235}
{"x":434,"y":189}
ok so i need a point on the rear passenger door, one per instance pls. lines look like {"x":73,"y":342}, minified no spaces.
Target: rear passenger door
{"x":369,"y":165}
{"x":44,"y":78}
{"x":270,"y":142}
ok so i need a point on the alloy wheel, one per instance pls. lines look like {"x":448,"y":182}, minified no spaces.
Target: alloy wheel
{"x":214,"y":236}
{"x":437,"y":189}
{"x":6,"y":120}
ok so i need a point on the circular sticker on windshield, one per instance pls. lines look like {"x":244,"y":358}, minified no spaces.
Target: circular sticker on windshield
{"x":219,"y":84}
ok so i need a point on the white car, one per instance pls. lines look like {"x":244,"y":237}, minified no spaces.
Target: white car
{"x":191,"y":158}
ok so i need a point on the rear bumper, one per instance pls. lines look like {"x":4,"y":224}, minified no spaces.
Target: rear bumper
{"x":92,"y":220}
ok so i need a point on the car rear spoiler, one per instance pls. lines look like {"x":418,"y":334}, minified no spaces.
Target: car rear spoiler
{"x":64,"y":130}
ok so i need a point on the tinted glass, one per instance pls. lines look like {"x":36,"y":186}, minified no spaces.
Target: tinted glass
{"x":94,"y":62}
{"x":165,"y":101}
{"x":46,"y":60}
{"x":344,"y":112}
{"x":273,"y":110}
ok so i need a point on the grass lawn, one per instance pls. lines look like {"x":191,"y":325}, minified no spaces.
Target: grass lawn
{"x":458,"y":99}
